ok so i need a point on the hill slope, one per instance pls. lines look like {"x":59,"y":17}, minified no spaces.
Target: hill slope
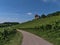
{"x":39,"y":22}
{"x":47,"y":28}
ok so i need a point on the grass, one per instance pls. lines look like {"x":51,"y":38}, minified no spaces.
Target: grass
{"x":39,"y":22}
{"x":15,"y":40}
{"x":51,"y":35}
{"x":13,"y":37}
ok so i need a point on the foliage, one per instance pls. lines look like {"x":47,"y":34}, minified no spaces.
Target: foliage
{"x":15,"y":40}
{"x":43,"y":16}
{"x":6,"y":34}
{"x":48,"y":32}
{"x":54,"y":14}
{"x":47,"y":28}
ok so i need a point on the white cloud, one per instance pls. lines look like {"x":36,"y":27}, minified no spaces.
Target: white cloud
{"x":29,"y":13}
{"x":49,"y":0}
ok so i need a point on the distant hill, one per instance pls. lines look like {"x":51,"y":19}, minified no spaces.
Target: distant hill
{"x":6,"y":24}
{"x":10,"y":23}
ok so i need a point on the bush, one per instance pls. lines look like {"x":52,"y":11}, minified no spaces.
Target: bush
{"x":6,"y":35}
{"x":43,"y":16}
{"x":48,"y":27}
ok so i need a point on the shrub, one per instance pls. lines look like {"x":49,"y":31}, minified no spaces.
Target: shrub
{"x":48,"y":27}
{"x":6,"y":35}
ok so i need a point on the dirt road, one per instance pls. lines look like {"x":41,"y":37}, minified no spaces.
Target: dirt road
{"x":31,"y":39}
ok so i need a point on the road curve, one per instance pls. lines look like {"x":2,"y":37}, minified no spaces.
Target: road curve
{"x":31,"y":39}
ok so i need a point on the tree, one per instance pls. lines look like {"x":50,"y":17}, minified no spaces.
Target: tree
{"x":43,"y":16}
{"x":54,"y":14}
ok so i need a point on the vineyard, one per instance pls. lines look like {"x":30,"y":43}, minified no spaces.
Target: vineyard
{"x":48,"y":28}
{"x":48,"y":32}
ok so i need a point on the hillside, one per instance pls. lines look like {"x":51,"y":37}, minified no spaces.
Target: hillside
{"x":47,"y":28}
{"x":39,"y":22}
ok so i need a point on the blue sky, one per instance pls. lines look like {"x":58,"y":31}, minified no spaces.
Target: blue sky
{"x":24,"y":10}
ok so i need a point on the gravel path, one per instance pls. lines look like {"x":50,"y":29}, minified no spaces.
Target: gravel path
{"x":31,"y":39}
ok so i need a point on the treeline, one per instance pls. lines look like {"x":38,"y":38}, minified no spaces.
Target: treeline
{"x":49,"y":15}
{"x":6,"y":24}
{"x":13,"y":23}
{"x":54,"y":14}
